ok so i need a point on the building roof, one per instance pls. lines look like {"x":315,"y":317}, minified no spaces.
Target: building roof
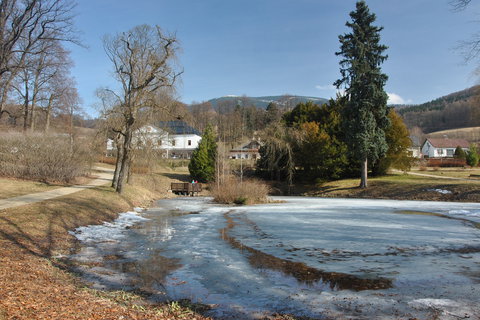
{"x":177,"y":127}
{"x":448,"y":143}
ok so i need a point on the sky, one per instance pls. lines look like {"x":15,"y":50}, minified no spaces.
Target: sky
{"x":276,"y":47}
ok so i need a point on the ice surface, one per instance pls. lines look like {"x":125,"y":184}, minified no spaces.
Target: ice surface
{"x":235,"y":257}
{"x":108,"y":231}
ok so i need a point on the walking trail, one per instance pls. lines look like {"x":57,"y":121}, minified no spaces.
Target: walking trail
{"x":104,"y":176}
{"x":439,"y":176}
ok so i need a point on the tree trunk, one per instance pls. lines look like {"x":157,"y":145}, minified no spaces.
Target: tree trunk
{"x":118,"y":163}
{"x":125,"y":165}
{"x":364,"y":169}
{"x":25,"y":116}
{"x":32,"y":117}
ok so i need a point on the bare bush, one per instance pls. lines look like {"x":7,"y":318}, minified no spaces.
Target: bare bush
{"x":43,"y":157}
{"x":249,"y":191}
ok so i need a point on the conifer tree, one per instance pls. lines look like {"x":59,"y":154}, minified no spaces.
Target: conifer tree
{"x":365,"y":113}
{"x":202,"y":164}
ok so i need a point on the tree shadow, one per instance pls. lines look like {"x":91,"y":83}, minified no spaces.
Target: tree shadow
{"x":41,"y":229}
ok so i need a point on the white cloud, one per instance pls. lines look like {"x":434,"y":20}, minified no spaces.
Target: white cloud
{"x":325,"y":87}
{"x":394,"y":98}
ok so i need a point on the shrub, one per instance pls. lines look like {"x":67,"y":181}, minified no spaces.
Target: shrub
{"x":231,"y":191}
{"x":43,"y":157}
{"x":459,"y":153}
{"x":108,"y":160}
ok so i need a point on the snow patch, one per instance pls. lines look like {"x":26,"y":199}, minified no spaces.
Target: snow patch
{"x":108,"y":231}
{"x":469,"y":213}
{"x":440,"y":191}
{"x":436,"y":302}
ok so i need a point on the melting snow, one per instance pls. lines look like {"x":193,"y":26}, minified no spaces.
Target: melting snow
{"x":108,"y":231}
{"x":440,"y":191}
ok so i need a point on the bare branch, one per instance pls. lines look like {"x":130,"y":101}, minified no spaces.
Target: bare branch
{"x":459,"y":5}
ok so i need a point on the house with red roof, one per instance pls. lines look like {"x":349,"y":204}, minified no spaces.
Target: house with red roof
{"x":443,"y":148}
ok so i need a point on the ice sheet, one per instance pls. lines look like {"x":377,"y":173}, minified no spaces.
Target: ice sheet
{"x":235,"y":257}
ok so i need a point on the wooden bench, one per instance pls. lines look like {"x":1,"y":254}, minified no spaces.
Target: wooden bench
{"x":186,"y":188}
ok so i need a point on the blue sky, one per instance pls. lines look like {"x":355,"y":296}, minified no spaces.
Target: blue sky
{"x":275,"y":47}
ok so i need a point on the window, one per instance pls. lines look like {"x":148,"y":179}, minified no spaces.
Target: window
{"x":450,"y":152}
{"x":189,"y":142}
{"x":440,"y":152}
{"x":173,"y":142}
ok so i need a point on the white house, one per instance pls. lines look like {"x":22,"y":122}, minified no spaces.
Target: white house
{"x":415,"y":149}
{"x":175,"y":138}
{"x":181,"y":139}
{"x":443,"y":148}
{"x":249,"y":150}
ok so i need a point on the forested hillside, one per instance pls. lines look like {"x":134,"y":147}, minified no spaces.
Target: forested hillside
{"x":457,"y":110}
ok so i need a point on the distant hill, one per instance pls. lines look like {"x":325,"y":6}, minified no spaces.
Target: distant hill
{"x":285,"y":101}
{"x":456,"y":110}
{"x":471,"y":134}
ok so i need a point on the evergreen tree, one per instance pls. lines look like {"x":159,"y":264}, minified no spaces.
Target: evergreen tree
{"x":472,"y":156}
{"x":365,"y":113}
{"x":202,"y":164}
{"x":459,"y":153}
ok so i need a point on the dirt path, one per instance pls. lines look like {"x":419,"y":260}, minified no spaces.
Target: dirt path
{"x":103,"y":177}
{"x":440,"y":177}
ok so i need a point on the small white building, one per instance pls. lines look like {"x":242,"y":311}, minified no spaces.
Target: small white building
{"x":175,"y":138}
{"x":248,"y":150}
{"x":443,"y":148}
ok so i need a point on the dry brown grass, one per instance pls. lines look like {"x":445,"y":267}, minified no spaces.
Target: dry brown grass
{"x":10,"y":188}
{"x":249,"y":191}
{"x":471,"y":134}
{"x":398,"y":186}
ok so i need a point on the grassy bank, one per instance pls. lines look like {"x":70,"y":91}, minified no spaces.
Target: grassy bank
{"x":401,"y":187}
{"x":34,"y":284}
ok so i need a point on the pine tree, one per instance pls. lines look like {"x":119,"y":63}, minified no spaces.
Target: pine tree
{"x":472,"y":156}
{"x":365,"y":113}
{"x":202,"y":164}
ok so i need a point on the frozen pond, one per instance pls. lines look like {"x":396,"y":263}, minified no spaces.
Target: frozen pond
{"x":313,"y":257}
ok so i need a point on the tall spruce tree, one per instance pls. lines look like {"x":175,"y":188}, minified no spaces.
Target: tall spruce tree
{"x":365,"y":113}
{"x":202,"y":164}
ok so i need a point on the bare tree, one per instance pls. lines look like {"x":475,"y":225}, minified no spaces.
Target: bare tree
{"x":470,"y":49}
{"x":42,"y":82}
{"x":459,"y":5}
{"x":143,"y":64}
{"x":24,"y":28}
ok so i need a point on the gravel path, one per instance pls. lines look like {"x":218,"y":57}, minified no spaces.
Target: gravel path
{"x":104,"y":176}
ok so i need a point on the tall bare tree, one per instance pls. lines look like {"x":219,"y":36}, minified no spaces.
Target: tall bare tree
{"x":470,"y":48}
{"x":24,"y":27}
{"x":39,"y":84}
{"x":144,"y":65}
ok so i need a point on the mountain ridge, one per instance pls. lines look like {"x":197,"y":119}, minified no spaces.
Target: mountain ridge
{"x":263,"y":101}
